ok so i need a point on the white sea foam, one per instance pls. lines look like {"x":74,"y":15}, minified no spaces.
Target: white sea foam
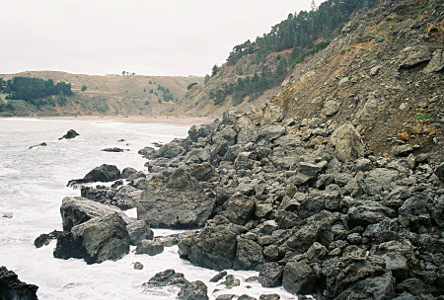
{"x":32,"y":186}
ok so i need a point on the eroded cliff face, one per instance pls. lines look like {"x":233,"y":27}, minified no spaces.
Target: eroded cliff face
{"x":384,"y":74}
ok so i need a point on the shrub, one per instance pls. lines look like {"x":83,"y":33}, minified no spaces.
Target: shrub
{"x":420,"y":116}
{"x":379,"y":39}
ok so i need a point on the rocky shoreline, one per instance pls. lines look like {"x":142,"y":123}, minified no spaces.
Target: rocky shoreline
{"x":301,"y":201}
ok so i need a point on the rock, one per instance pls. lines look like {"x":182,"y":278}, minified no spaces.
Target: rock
{"x":45,"y":239}
{"x":12,"y":288}
{"x":347,"y":142}
{"x":225,"y":297}
{"x":149,"y":247}
{"x":96,"y":240}
{"x":177,"y":200}
{"x":188,"y":290}
{"x":147,"y":152}
{"x":246,"y":297}
{"x":440,"y":172}
{"x":271,"y":276}
{"x":138,"y":231}
{"x":271,"y":132}
{"x":269,"y":297}
{"x":402,"y":150}
{"x":138,"y":266}
{"x":43,"y":144}
{"x":103,"y":173}
{"x":127,"y":172}
{"x":413,"y":56}
{"x":127,"y":197}
{"x":171,"y":150}
{"x":76,"y":210}
{"x":164,"y":278}
{"x":377,"y":287}
{"x":436,"y":64}
{"x":330,"y":108}
{"x":231,"y":282}
{"x":218,"y":276}
{"x":114,"y":149}
{"x":375,"y":70}
{"x":343,"y":81}
{"x":238,"y":209}
{"x":101,"y":194}
{"x":248,"y":255}
{"x":195,"y":290}
{"x":299,"y":277}
{"x":271,"y":252}
{"x":70,"y":134}
{"x":214,"y":247}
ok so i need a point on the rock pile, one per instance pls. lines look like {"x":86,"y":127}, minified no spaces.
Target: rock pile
{"x":304,"y":204}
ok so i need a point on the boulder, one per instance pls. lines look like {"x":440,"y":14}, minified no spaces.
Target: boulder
{"x":138,"y":231}
{"x":43,"y":144}
{"x":175,"y":200}
{"x":238,"y":209}
{"x":171,"y":150}
{"x":196,"y":290}
{"x":163,"y":279}
{"x":147,"y":152}
{"x":436,"y":64}
{"x":96,"y":240}
{"x":299,"y":277}
{"x":213,"y":247}
{"x":375,"y":287}
{"x":413,"y":56}
{"x":402,"y":150}
{"x":100,"y":193}
{"x":12,"y":288}
{"x":76,"y":210}
{"x":440,"y":172}
{"x":330,"y":108}
{"x":70,"y":134}
{"x":127,"y":197}
{"x":248,"y":255}
{"x":271,"y":276}
{"x":103,"y":173}
{"x":347,"y":142}
{"x":127,"y":172}
{"x":149,"y":247}
{"x":271,"y":132}
{"x":114,"y":149}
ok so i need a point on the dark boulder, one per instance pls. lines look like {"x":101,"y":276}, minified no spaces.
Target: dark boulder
{"x":12,"y":288}
{"x":176,"y":200}
{"x":147,"y":152}
{"x":126,"y":197}
{"x":97,"y":240}
{"x":114,"y":149}
{"x":214,"y":246}
{"x":127,"y":172}
{"x":70,"y":134}
{"x":271,"y":275}
{"x":238,"y":209}
{"x":138,"y":231}
{"x":248,"y":255}
{"x":440,"y":172}
{"x":150,"y":248}
{"x":103,"y":173}
{"x":38,"y":145}
{"x":45,"y":238}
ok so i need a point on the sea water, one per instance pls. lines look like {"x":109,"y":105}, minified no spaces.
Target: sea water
{"x":33,"y":184}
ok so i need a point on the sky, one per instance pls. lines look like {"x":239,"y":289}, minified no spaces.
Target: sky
{"x":147,"y":37}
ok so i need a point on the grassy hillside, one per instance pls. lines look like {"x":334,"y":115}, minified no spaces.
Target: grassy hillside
{"x":107,"y":95}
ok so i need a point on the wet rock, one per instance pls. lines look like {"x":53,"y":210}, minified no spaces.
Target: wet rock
{"x":103,"y":173}
{"x":138,"y":231}
{"x":100,"y":193}
{"x":96,"y":240}
{"x":147,"y":152}
{"x":164,"y":278}
{"x":76,"y":210}
{"x":114,"y":149}
{"x":195,"y":290}
{"x":218,"y":276}
{"x":299,"y":277}
{"x":231,"y":281}
{"x":246,"y":297}
{"x":12,"y":288}
{"x":347,"y":142}
{"x":214,"y":247}
{"x":44,"y":239}
{"x":225,"y":297}
{"x":127,"y":172}
{"x":149,"y":247}
{"x":138,"y":266}
{"x":271,"y":276}
{"x":70,"y":134}
{"x":269,"y":297}
{"x":43,"y":144}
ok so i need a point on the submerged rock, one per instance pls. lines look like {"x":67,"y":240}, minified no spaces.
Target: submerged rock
{"x":114,"y":149}
{"x":12,"y":288}
{"x":44,"y":239}
{"x":38,"y":145}
{"x":70,"y":134}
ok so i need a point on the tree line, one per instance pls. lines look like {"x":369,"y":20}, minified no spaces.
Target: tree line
{"x":35,"y":90}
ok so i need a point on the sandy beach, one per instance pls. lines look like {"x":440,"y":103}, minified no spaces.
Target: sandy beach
{"x":134,"y":119}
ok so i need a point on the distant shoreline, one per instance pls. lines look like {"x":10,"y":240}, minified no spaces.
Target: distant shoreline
{"x":130,"y":119}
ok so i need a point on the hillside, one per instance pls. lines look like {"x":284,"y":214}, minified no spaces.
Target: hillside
{"x":384,"y":74}
{"x":107,"y":95}
{"x":254,"y":71}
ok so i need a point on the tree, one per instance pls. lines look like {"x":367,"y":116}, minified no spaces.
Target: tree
{"x":214,"y":70}
{"x":123,"y":73}
{"x":84,"y":88}
{"x":206,"y":79}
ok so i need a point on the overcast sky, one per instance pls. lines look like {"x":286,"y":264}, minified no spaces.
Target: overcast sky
{"x":148,"y":37}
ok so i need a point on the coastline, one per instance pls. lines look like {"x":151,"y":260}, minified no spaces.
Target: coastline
{"x":129,"y":119}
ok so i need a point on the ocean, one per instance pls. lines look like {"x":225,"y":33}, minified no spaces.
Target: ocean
{"x":33,"y":184}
